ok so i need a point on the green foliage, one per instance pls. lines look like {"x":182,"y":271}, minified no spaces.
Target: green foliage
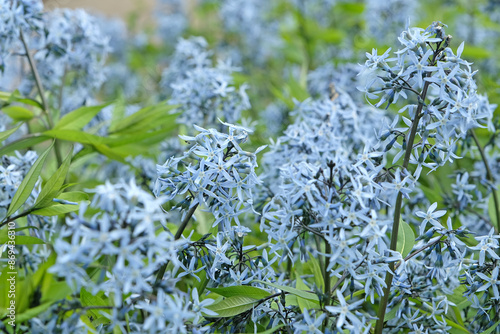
{"x":232,"y":306}
{"x":406,"y":239}
{"x":18,"y":113}
{"x":294,"y":291}
{"x":24,"y":190}
{"x":241,"y":290}
{"x":53,"y":185}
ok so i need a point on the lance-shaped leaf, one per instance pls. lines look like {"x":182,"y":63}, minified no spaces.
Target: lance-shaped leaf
{"x":232,"y":306}
{"x":241,"y":290}
{"x":5,"y":134}
{"x":53,"y":186}
{"x":299,"y":293}
{"x":78,"y":118}
{"x":27,"y":185}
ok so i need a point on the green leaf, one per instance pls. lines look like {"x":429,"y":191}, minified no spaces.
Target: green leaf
{"x":458,"y":297}
{"x":74,"y":196}
{"x":75,"y":136}
{"x":146,"y":116}
{"x":5,"y":96}
{"x":351,"y":8}
{"x":160,"y":119}
{"x":56,"y":210}
{"x":299,"y":293}
{"x":304,"y":303}
{"x":406,"y":239}
{"x":475,"y":52}
{"x":232,"y":306}
{"x":492,"y":328}
{"x":32,"y":312}
{"x":241,"y":290}
{"x":78,"y":118}
{"x":53,"y":186}
{"x":297,"y":91}
{"x":272,"y":330}
{"x":316,"y":271}
{"x":22,"y":143}
{"x":491,"y":207}
{"x":431,"y":194}
{"x":392,"y":313}
{"x":27,"y":185}
{"x":18,"y":113}
{"x":88,"y":299}
{"x":6,"y":134}
{"x":22,"y":240}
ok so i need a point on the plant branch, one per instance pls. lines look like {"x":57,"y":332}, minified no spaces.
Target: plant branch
{"x":11,"y":219}
{"x":177,"y":236}
{"x":41,"y":91}
{"x":342,"y":279}
{"x":397,"y":212}
{"x":421,"y":249}
{"x":489,"y":176}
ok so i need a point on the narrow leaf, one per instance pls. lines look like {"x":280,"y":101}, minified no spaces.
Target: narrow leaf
{"x":22,"y":143}
{"x":304,"y":303}
{"x":53,"y":186}
{"x":74,"y":196}
{"x":299,"y":293}
{"x":492,"y":328}
{"x":241,"y":290}
{"x":22,"y":240}
{"x":78,"y":118}
{"x":18,"y":113}
{"x":27,"y":185}
{"x":56,"y":210}
{"x":232,"y":306}
{"x":6,"y":134}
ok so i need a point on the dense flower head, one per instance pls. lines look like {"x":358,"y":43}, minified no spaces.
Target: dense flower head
{"x":203,"y":92}
{"x":16,"y":15}
{"x":125,"y":229}
{"x":438,"y":84}
{"x":214,"y":172}
{"x":74,"y":46}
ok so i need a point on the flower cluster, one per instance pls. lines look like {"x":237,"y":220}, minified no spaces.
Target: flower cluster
{"x":171,"y":19}
{"x":214,"y":172}
{"x":74,"y":49}
{"x":125,"y":230}
{"x":204,"y":93}
{"x":249,"y":19}
{"x":12,"y":172}
{"x":441,"y":90}
{"x":17,"y":16}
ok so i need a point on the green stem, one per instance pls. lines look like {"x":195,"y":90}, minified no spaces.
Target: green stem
{"x":41,"y":92}
{"x":489,"y":176}
{"x":397,"y":213}
{"x":326,"y":277}
{"x":11,"y":219}
{"x":177,"y":236}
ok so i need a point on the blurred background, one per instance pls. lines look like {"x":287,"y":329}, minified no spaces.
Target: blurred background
{"x":121,"y":8}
